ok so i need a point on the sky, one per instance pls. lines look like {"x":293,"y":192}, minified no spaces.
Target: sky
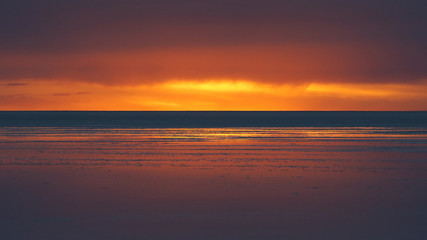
{"x":213,"y":55}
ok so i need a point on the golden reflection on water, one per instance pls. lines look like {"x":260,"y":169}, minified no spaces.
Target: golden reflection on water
{"x":48,"y":133}
{"x":213,"y":147}
{"x":229,"y":183}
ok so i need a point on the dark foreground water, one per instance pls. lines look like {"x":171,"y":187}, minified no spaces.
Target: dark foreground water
{"x":213,"y":175}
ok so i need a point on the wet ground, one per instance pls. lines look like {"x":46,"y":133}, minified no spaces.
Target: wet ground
{"x":213,"y":183}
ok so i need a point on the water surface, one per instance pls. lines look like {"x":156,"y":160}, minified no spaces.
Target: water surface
{"x":107,"y":182}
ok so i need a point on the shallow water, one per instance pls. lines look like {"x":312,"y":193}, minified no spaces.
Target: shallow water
{"x":213,"y":183}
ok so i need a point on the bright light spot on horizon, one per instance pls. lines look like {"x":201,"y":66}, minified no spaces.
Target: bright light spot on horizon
{"x":222,"y":85}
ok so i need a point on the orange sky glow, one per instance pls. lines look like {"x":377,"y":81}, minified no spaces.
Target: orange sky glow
{"x":213,"y":55}
{"x":212,"y":94}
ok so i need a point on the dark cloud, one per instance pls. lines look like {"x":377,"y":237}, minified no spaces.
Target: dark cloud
{"x":61,"y":94}
{"x":15,"y":84}
{"x":83,"y":93}
{"x":66,"y":94}
{"x":349,"y":40}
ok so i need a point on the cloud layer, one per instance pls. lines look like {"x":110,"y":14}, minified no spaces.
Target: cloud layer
{"x":133,"y":43}
{"x":269,"y":41}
